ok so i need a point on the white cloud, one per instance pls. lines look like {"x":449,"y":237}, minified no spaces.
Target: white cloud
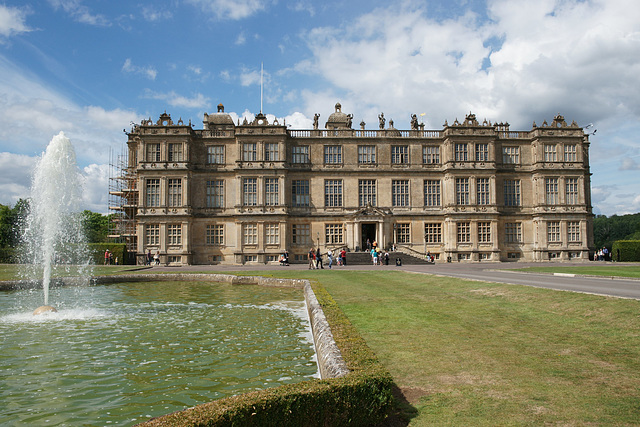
{"x":80,"y":12}
{"x":12,"y":21}
{"x":231,"y":9}
{"x":241,"y":39}
{"x":156,"y":14}
{"x":629,"y":164}
{"x":15,"y":177}
{"x":95,"y":180}
{"x":176,"y":100}
{"x":302,"y":6}
{"x":148,"y":72}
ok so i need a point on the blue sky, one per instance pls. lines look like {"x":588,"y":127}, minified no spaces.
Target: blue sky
{"x":89,"y":68}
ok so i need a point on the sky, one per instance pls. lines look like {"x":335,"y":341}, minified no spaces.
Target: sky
{"x":89,"y":68}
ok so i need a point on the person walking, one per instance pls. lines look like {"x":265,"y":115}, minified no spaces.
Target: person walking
{"x":343,"y":255}
{"x":330,"y":258}
{"x":319,"y":260}
{"x":312,"y":258}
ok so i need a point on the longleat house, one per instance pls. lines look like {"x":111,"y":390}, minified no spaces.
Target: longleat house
{"x":237,"y":193}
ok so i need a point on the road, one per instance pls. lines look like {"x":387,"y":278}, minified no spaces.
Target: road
{"x":490,"y":272}
{"x":504,"y":273}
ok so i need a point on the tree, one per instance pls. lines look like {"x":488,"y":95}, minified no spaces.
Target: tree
{"x":96,"y":226}
{"x":608,"y":230}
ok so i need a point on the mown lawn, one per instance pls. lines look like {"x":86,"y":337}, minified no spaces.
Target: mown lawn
{"x":597,"y":269}
{"x":475,"y":353}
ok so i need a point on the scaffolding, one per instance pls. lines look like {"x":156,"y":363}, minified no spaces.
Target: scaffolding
{"x":123,"y":201}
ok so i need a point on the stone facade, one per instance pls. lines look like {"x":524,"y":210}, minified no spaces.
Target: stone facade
{"x":245,"y":192}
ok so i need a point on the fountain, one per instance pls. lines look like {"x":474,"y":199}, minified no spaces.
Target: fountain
{"x":53,"y":233}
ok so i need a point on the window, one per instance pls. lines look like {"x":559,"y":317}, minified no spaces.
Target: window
{"x":249,"y":152}
{"x":250,"y":191}
{"x":400,"y":192}
{"x":512,"y":192}
{"x":461,"y":154}
{"x":403,"y":233}
{"x":175,"y":192}
{"x":463,"y":232}
{"x":462,"y":191}
{"x":400,"y":154}
{"x":300,"y":234}
{"x":366,"y":154}
{"x":553,"y":232}
{"x":174,"y":234}
{"x":175,"y":152}
{"x":482,"y":152}
{"x":250,"y":234}
{"x":333,"y":192}
{"x":300,"y":192}
{"x":513,"y":232}
{"x":483,"y":193}
{"x":433,"y":232}
{"x":271,"y":193}
{"x":573,"y":231}
{"x":300,"y":154}
{"x":431,"y":154}
{"x":152,"y":234}
{"x":432,"y":192}
{"x":153,"y":152}
{"x":550,"y":154}
{"x":271,"y":152}
{"x":571,"y":185}
{"x":215,"y":193}
{"x":153,"y":192}
{"x":511,"y":155}
{"x":333,"y":233}
{"x":367,"y":192}
{"x":272,"y":234}
{"x":333,"y":154}
{"x":484,"y":232}
{"x":215,"y":154}
{"x":570,"y":153}
{"x":215,"y":234}
{"x":551,"y":191}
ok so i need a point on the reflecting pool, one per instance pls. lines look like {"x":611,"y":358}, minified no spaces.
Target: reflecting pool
{"x":120,"y":354}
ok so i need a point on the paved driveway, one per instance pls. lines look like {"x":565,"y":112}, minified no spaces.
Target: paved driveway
{"x":490,"y":272}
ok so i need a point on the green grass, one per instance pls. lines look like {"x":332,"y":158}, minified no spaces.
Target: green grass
{"x":598,"y":269}
{"x":475,"y":353}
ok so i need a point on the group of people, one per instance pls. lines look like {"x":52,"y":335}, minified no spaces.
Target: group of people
{"x":109,"y":259}
{"x":315,"y":258}
{"x":601,"y":255}
{"x":155,"y":259}
{"x":377,"y":256}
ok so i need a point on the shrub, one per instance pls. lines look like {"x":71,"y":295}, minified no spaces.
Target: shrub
{"x":629,"y":250}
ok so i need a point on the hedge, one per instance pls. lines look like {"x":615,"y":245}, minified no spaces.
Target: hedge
{"x":8,"y":255}
{"x":362,"y":397}
{"x":97,"y":250}
{"x":629,"y":250}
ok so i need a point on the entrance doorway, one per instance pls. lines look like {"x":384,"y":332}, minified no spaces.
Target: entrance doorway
{"x":368,"y":233}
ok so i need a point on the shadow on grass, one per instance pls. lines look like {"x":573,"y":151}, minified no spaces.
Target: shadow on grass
{"x":402,"y":412}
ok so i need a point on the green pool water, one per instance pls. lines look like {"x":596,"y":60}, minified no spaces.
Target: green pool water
{"x":123,"y":353}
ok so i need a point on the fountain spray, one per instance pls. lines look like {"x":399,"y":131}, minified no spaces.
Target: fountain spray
{"x":53,"y":232}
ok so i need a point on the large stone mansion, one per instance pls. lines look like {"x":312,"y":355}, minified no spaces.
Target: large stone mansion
{"x":239,"y":193}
